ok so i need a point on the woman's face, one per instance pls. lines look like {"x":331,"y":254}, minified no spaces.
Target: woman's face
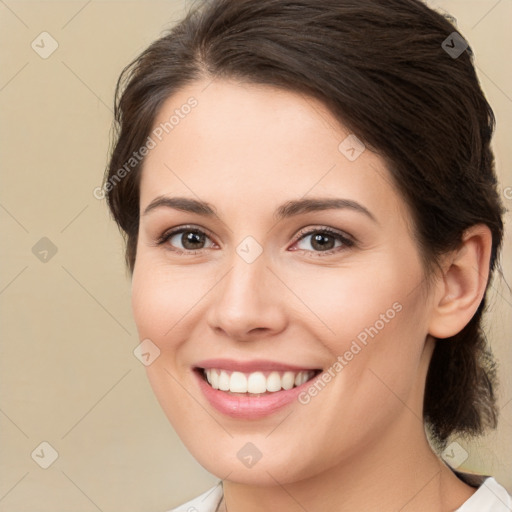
{"x":249,"y":293}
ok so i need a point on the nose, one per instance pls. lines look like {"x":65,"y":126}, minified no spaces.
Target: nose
{"x":248,"y":302}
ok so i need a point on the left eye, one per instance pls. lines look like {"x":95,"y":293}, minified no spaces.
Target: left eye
{"x":324,"y":240}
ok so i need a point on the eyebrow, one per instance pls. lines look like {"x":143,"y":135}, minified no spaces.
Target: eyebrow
{"x":286,"y":210}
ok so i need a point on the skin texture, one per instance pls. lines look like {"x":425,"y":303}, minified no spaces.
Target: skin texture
{"x":360,"y":443}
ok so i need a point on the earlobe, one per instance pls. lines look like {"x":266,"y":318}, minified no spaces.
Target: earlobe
{"x":462,"y":285}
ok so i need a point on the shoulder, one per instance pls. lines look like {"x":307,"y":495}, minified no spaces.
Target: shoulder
{"x":489,"y":497}
{"x":206,"y":502}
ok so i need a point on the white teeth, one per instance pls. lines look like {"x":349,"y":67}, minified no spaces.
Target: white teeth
{"x":214,"y":379}
{"x":273,"y":382}
{"x":238,"y":383}
{"x":300,"y":378}
{"x":223,"y":381}
{"x":288,"y":380}
{"x":255,"y":382}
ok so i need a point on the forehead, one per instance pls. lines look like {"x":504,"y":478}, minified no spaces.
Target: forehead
{"x":251,"y":145}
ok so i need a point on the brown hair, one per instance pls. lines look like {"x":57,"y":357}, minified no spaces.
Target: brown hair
{"x":380,"y":67}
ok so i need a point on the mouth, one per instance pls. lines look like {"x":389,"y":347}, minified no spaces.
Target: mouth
{"x":255,"y":383}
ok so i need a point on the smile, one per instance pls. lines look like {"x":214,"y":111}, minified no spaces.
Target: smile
{"x":251,"y":390}
{"x":256,"y":383}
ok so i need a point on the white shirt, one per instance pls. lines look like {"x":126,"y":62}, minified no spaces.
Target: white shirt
{"x":489,"y":497}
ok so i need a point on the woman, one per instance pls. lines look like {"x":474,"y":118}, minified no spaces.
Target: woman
{"x":309,"y":202}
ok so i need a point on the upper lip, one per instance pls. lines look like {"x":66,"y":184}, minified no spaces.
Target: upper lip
{"x":250,"y":366}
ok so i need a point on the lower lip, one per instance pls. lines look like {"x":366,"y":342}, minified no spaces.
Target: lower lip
{"x":248,"y":407}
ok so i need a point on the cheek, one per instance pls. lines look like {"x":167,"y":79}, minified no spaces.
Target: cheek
{"x":161,"y":299}
{"x":152,"y":303}
{"x":160,"y":303}
{"x":385,"y":368}
{"x":367,"y":298}
{"x":374,"y":323}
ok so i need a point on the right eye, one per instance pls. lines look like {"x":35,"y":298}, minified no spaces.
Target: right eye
{"x":188,"y":236}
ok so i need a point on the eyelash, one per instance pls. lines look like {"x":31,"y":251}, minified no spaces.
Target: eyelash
{"x":345,"y":240}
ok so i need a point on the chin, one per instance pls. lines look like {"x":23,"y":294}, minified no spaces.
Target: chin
{"x":237,"y":461}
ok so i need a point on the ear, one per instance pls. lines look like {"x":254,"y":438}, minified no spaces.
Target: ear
{"x":461,"y":287}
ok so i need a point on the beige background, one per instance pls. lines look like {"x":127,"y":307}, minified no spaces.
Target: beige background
{"x":68,"y":374}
